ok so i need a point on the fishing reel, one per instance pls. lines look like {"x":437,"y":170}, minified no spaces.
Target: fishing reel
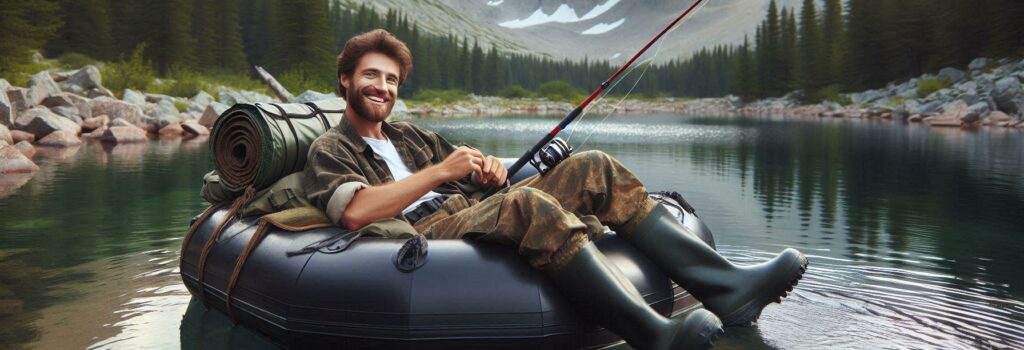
{"x":550,"y":155}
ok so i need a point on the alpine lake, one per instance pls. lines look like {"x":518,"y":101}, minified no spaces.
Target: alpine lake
{"x":914,"y":234}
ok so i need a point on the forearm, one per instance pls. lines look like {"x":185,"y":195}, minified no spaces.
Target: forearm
{"x":378,"y":202}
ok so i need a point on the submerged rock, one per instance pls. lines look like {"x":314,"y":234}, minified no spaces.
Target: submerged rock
{"x":123,"y":134}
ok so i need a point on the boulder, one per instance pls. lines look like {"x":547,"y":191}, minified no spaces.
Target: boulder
{"x":17,"y":136}
{"x":20,"y":100}
{"x":95,"y":134}
{"x":120,"y":122}
{"x":997,"y":118}
{"x":1007,"y":92}
{"x":4,"y":85}
{"x":99,"y":92}
{"x":25,"y":148}
{"x":12,"y":161}
{"x":980,"y":108}
{"x":71,"y":113}
{"x":173,"y":130}
{"x":157,"y":98}
{"x":916,"y":118}
{"x":5,"y":135}
{"x":134,"y":97}
{"x":86,"y":78}
{"x":116,"y":109}
{"x":60,"y":138}
{"x":6,"y":111}
{"x":202,"y":98}
{"x":928,"y":108}
{"x":42,"y":86}
{"x":57,"y":101}
{"x":163,"y":108}
{"x":954,"y":110}
{"x":230,"y":97}
{"x":935,"y":121}
{"x":167,"y":119}
{"x":82,"y":103}
{"x":951,"y":74}
{"x":212,"y":112}
{"x":978,"y":64}
{"x":95,"y":122}
{"x":123,"y":134}
{"x":970,"y":118}
{"x":310,"y":96}
{"x":41,"y":122}
{"x":195,"y":128}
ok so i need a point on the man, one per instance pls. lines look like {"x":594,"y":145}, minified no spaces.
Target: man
{"x":366,"y":170}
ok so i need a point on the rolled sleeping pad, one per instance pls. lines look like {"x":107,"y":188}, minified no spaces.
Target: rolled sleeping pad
{"x":257,"y":144}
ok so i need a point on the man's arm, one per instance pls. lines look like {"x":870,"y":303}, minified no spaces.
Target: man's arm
{"x":378,"y":202}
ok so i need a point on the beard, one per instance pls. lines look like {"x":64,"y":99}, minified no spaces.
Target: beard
{"x":357,"y":101}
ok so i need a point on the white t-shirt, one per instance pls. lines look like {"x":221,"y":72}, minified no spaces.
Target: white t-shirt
{"x":385,"y":149}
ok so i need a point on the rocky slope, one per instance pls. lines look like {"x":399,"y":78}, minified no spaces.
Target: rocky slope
{"x":604,"y":29}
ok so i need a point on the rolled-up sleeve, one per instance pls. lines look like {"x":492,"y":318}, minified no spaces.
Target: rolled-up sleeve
{"x":336,"y":179}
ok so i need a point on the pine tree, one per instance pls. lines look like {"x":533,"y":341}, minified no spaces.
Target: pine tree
{"x":27,"y":25}
{"x":229,"y":51}
{"x":86,"y":30}
{"x":832,"y":37}
{"x":810,"y":54}
{"x":789,"y":48}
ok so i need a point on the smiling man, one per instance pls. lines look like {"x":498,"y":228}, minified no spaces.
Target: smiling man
{"x":367,"y":171}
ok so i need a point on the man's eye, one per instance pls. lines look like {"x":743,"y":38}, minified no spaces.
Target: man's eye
{"x":393,"y":81}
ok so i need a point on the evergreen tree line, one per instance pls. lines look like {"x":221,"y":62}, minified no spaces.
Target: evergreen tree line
{"x":862,"y":45}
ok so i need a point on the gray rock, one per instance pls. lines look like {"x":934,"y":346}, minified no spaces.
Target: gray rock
{"x":202,"y":98}
{"x":69,"y":112}
{"x":196,"y":107}
{"x":163,"y":108}
{"x":41,"y":87}
{"x":970,"y":118}
{"x":157,"y":98}
{"x":99,"y":92}
{"x":5,"y":136}
{"x":82,"y":103}
{"x":212,"y":112}
{"x":6,"y":110}
{"x":134,"y":97}
{"x":86,"y":78}
{"x":978,"y":63}
{"x":167,"y":119}
{"x":4,"y":85}
{"x":116,"y":109}
{"x":171,"y":130}
{"x":230,"y":97}
{"x":1007,"y":93}
{"x":41,"y":122}
{"x":310,"y":96}
{"x":56,"y":101}
{"x":969,"y":87}
{"x":970,"y":99}
{"x":19,"y":100}
{"x":951,"y":74}
{"x":928,"y":107}
{"x":981,"y":109}
{"x":95,"y":122}
{"x":121,"y":122}
{"x":195,"y":129}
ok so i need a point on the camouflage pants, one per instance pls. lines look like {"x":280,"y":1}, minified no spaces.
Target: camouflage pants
{"x":549,"y":218}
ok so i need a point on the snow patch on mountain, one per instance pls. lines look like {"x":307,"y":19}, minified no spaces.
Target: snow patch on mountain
{"x":563,"y":14}
{"x":495,"y":3}
{"x":602,"y":28}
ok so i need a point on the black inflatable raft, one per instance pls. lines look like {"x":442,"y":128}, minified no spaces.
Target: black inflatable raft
{"x":467,"y":295}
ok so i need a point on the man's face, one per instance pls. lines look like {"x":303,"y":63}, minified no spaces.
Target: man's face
{"x":373,"y":87}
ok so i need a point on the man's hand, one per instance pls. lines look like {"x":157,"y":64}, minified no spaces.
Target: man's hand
{"x":460,"y":163}
{"x":493,"y":172}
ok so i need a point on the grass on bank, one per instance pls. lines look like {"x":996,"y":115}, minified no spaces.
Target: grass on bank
{"x":926,"y":87}
{"x":134,"y":72}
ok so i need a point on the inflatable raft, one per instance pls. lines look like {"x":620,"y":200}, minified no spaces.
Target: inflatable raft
{"x":466,"y":295}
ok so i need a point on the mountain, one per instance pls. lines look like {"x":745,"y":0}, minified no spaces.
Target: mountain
{"x":598,"y":30}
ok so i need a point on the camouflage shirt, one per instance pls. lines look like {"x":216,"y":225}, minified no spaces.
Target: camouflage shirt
{"x":340,"y":163}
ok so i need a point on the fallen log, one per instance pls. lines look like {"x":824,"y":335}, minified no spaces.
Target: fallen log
{"x":279,"y":90}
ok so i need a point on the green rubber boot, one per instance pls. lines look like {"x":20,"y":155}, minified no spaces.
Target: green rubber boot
{"x":600,"y":291}
{"x":736,"y":294}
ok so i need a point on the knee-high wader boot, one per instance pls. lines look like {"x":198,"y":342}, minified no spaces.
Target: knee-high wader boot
{"x":600,"y":291}
{"x":736,"y":294}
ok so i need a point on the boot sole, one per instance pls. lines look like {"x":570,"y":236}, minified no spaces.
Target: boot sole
{"x":751,"y":311}
{"x":710,"y":329}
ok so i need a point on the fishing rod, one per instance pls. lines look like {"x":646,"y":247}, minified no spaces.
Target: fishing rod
{"x":569,"y":118}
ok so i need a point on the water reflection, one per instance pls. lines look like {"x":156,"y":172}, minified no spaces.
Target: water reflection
{"x":913,"y":232}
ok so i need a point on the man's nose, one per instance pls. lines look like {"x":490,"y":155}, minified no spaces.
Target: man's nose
{"x":380,"y":83}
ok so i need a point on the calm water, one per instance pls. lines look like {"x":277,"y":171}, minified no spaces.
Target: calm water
{"x":914,"y":234}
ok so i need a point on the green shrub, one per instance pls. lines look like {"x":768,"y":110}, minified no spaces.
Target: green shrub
{"x":559,"y":91}
{"x":236,"y":81}
{"x":439,"y":96}
{"x":21,"y":74}
{"x":835,"y":94}
{"x":514,"y":91}
{"x":897,"y":101}
{"x":183,"y":83}
{"x":926,"y":87}
{"x":181,"y":106}
{"x":74,"y":60}
{"x":135,"y":73}
{"x":301,"y":79}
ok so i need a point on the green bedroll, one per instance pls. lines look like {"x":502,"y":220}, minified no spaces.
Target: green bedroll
{"x":254,"y":145}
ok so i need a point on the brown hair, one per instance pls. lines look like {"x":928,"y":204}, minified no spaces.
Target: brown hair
{"x":377,"y":40}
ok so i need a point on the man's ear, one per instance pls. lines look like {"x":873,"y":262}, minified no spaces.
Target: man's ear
{"x":345,"y":81}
